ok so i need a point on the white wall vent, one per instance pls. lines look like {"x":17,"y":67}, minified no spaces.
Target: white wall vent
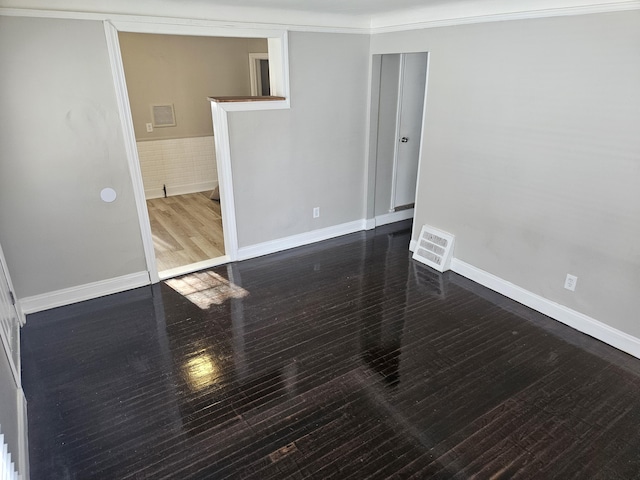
{"x":163,"y":115}
{"x":434,"y":248}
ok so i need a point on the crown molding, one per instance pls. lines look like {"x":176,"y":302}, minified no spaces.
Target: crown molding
{"x":407,"y":21}
{"x":291,"y":23}
{"x":427,"y":17}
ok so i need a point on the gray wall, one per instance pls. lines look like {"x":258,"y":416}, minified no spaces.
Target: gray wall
{"x":60,"y":144}
{"x":532,"y":154}
{"x":311,"y":155}
{"x":184,"y":71}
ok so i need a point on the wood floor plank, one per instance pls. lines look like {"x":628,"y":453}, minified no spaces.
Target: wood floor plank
{"x":186,"y":229}
{"x":346,"y":359}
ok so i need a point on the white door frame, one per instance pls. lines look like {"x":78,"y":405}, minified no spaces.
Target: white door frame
{"x":279,"y":72}
{"x":372,"y":142}
{"x":255,"y":74}
{"x":10,"y":311}
{"x":396,"y":145}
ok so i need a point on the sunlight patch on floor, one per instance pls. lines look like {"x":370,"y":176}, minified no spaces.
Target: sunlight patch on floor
{"x":206,"y":288}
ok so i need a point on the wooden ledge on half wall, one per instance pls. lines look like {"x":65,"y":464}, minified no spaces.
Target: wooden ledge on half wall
{"x":244,"y":99}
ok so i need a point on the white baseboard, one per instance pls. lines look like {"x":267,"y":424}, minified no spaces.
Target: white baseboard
{"x":180,"y":189}
{"x":583,"y":323}
{"x":299,"y":240}
{"x":393,"y":217}
{"x":370,"y":224}
{"x":191,"y":188}
{"x":67,"y":296}
{"x":412,"y":245}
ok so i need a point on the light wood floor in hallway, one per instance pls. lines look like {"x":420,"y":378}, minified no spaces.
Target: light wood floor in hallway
{"x":186,"y":229}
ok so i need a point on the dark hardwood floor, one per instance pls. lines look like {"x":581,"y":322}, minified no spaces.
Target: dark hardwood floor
{"x":343,"y":359}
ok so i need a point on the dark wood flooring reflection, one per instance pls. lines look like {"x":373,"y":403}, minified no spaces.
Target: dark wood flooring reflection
{"x":343,"y":359}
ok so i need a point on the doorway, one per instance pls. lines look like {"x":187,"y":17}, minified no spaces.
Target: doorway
{"x":169,"y":78}
{"x":397,"y":110}
{"x":259,"y":74}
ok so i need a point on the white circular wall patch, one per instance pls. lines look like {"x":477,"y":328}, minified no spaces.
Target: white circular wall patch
{"x":108,"y":195}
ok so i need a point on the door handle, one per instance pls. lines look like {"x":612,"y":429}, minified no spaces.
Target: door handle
{"x":404,"y":139}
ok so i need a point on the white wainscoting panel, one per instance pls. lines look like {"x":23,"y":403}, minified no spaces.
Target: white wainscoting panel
{"x":184,"y":165}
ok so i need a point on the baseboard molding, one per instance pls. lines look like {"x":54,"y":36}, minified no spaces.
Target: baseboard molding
{"x":299,"y":240}
{"x":370,"y":224}
{"x":583,"y":323}
{"x":180,"y":190}
{"x":393,"y":217}
{"x":67,"y":296}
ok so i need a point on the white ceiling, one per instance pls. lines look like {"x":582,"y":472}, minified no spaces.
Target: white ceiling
{"x":361,"y":15}
{"x":341,"y":7}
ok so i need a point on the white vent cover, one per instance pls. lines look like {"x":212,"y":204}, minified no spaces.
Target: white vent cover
{"x":434,"y":248}
{"x":163,"y":115}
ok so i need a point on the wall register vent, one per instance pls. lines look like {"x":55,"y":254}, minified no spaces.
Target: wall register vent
{"x":434,"y":248}
{"x":163,"y":115}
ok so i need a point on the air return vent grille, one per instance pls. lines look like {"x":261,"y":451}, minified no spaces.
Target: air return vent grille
{"x":163,"y":115}
{"x":434,"y":248}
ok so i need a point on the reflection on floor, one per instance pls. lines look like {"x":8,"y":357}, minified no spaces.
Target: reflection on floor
{"x":346,"y":359}
{"x":186,"y":229}
{"x":206,"y":288}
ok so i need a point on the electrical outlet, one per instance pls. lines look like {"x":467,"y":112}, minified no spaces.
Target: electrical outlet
{"x":316,"y":212}
{"x":570,"y":282}
{"x":149,"y":127}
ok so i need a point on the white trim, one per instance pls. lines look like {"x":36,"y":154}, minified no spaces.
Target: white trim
{"x":200,"y":28}
{"x":4,"y":267}
{"x":583,"y":323}
{"x":8,"y":353}
{"x":370,"y":224}
{"x":23,"y":437}
{"x":299,"y":240}
{"x":371,"y":138}
{"x":279,"y":65}
{"x":126,"y":119}
{"x":176,"y":22}
{"x":88,"y":291}
{"x":311,"y":22}
{"x":392,"y":217}
{"x":384,"y":27}
{"x":278,"y":40}
{"x":255,"y":75}
{"x":421,"y":148}
{"x":225,"y":180}
{"x":194,"y":267}
{"x":412,"y":245}
{"x":396,"y":143}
